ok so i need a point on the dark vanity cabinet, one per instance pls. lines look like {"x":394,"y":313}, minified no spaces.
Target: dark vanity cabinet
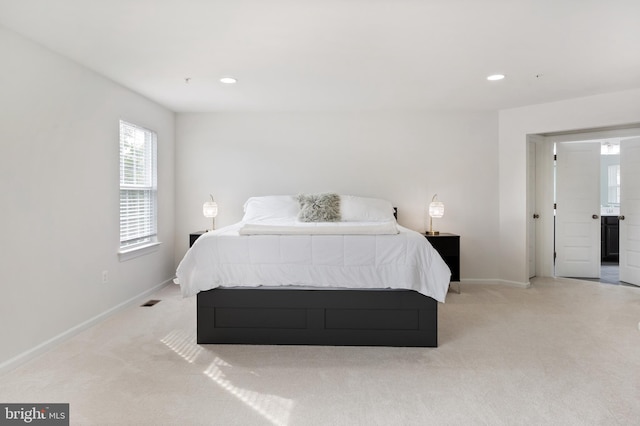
{"x":610,"y":238}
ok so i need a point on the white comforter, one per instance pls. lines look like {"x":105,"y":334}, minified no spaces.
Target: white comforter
{"x":223,"y":258}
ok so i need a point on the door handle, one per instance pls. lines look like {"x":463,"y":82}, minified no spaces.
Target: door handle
{"x":621,"y":217}
{"x":595,"y":216}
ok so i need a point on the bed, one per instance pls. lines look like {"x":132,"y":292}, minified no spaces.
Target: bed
{"x":282,"y":275}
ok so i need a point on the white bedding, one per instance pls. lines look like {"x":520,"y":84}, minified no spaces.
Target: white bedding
{"x":224,"y":258}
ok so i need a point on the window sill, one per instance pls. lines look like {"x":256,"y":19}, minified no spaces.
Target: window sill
{"x":128,"y":254}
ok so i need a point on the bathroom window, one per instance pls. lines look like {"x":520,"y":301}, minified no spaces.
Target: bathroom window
{"x":614,"y":184}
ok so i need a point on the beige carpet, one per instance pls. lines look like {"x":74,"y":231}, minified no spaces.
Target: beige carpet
{"x":562,"y":352}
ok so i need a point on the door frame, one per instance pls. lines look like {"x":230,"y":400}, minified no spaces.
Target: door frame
{"x":545,"y":191}
{"x":543,"y":205}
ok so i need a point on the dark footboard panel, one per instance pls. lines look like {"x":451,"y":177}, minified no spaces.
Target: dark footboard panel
{"x":317,"y":317}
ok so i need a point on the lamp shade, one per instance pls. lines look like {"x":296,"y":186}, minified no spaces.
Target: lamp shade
{"x":436,"y":209}
{"x":210,"y":208}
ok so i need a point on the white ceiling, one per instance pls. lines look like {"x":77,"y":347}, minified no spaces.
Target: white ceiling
{"x":344,"y":54}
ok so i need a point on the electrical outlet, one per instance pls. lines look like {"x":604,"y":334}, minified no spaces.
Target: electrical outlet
{"x":105,"y":277}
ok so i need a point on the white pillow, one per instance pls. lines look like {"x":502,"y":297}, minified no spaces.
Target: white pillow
{"x":270,"y":207}
{"x":362,"y":209}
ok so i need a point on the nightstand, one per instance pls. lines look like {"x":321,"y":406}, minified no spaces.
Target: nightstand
{"x":194,"y":236}
{"x":448,"y":246}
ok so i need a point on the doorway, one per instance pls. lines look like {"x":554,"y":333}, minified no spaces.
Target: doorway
{"x":610,"y":211}
{"x":589,"y":240}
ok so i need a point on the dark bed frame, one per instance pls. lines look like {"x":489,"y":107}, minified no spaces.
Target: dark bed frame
{"x":341,"y":317}
{"x":317,"y":317}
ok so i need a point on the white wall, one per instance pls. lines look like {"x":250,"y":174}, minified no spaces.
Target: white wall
{"x":402,"y":157}
{"x":59,"y":184}
{"x":607,"y":110}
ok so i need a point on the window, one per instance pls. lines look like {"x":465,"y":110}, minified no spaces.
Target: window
{"x":614,"y":184}
{"x":138,"y":189}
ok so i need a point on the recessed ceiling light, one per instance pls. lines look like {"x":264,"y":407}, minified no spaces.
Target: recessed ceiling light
{"x":228,"y":80}
{"x":495,"y":77}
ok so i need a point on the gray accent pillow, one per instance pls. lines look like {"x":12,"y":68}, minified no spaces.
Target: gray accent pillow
{"x":319,"y":207}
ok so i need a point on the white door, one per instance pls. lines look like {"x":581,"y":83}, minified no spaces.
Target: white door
{"x":531,"y":206}
{"x":630,"y":211}
{"x":578,"y":210}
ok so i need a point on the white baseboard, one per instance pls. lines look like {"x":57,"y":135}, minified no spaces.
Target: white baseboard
{"x":56,"y":340}
{"x":495,"y":281}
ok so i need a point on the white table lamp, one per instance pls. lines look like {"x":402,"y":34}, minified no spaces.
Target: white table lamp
{"x":436,"y":209}
{"x":210,"y":209}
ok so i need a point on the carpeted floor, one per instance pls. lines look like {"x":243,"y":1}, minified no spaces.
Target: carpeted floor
{"x":563,"y":352}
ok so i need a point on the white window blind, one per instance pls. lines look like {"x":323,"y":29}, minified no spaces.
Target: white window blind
{"x":138,"y":188}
